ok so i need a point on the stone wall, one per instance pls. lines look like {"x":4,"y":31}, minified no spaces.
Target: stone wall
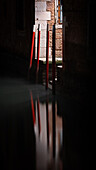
{"x":42,"y":16}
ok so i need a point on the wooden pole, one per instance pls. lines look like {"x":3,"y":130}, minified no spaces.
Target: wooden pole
{"x":32,"y":47}
{"x":47,"y":57}
{"x":53,"y":60}
{"x":38,"y":47}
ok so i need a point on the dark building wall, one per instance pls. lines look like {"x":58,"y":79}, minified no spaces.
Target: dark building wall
{"x":79,"y":44}
{"x":78,"y":34}
{"x":16,"y":21}
{"x":75,"y":12}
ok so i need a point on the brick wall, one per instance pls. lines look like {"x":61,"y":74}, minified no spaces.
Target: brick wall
{"x":58,"y":52}
{"x":48,"y":8}
{"x":58,"y":43}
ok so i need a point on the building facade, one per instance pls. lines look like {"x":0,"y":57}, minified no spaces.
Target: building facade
{"x":49,"y":12}
{"x":16,"y":22}
{"x":16,"y":26}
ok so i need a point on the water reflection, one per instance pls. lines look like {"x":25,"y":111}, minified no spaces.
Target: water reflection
{"x":41,"y":132}
{"x":33,"y":111}
{"x":48,"y":132}
{"x":54,"y":127}
{"x":47,"y":120}
{"x":39,"y":121}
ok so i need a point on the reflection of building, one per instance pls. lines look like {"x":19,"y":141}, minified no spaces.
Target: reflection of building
{"x":43,"y":133}
{"x":49,"y":12}
{"x":58,"y":130}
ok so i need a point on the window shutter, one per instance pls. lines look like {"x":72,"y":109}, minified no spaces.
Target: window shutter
{"x":58,"y":11}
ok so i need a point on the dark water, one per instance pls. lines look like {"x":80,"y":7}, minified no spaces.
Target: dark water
{"x":39,"y":131}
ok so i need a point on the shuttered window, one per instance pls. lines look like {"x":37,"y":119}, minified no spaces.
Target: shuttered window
{"x":59,"y":11}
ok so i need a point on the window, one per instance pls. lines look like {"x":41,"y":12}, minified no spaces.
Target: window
{"x":58,"y":11}
{"x":20,"y":15}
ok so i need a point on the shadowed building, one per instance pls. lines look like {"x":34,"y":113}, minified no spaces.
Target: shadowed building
{"x":16,"y":21}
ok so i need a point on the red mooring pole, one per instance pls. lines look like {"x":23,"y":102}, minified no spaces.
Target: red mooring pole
{"x":32,"y":47}
{"x":38,"y":46}
{"x":53,"y":60}
{"x":47,"y":57}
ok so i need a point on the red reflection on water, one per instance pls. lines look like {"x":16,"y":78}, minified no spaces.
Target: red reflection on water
{"x":38,"y":108}
{"x":48,"y":131}
{"x":32,"y":107}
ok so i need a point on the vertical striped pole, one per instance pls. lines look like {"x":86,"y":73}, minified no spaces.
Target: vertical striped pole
{"x":38,"y":46}
{"x":53,"y":60}
{"x":47,"y":57}
{"x":32,"y":47}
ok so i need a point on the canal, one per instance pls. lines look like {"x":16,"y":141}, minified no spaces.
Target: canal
{"x":41,"y":131}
